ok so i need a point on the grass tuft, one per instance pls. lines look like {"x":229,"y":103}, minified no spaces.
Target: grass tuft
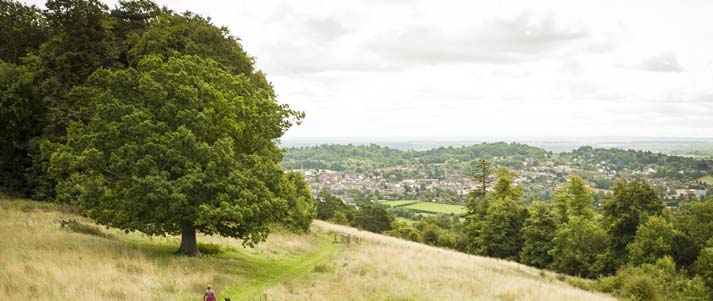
{"x":324,"y":268}
{"x":210,"y":249}
{"x":77,"y":227}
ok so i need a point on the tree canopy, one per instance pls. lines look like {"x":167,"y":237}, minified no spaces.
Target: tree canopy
{"x":176,"y":145}
{"x":632,"y":202}
{"x":494,"y":222}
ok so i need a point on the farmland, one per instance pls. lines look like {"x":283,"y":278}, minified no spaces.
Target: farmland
{"x":437,"y":208}
{"x":399,"y":203}
{"x":708,"y":180}
{"x":426,"y":207}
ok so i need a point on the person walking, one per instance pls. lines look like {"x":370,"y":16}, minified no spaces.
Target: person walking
{"x":209,"y":294}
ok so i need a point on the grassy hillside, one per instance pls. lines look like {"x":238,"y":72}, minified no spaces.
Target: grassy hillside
{"x":41,"y":260}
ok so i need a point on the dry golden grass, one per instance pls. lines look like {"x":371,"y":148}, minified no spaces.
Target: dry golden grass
{"x":40,"y":261}
{"x":387,"y":268}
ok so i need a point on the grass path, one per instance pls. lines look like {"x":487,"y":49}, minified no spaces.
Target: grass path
{"x":260,"y":272}
{"x":267,"y":273}
{"x":388,"y":268}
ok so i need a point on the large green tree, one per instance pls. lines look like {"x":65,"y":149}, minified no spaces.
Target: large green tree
{"x":80,"y":40}
{"x":580,"y":248}
{"x":177,"y":145}
{"x":654,"y":240}
{"x":632,"y":203}
{"x":480,"y":173}
{"x":329,"y":205}
{"x":538,"y":232}
{"x":694,"y":224}
{"x":193,"y":34}
{"x":373,"y":218}
{"x":493,"y":223}
{"x":69,"y":40}
{"x":302,"y":208}
{"x":574,"y":199}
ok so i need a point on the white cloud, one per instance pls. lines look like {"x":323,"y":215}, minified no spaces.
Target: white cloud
{"x":661,"y":63}
{"x":491,"y":41}
{"x":482,"y":68}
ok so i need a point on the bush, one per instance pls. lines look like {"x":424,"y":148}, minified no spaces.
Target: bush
{"x":640,"y":288}
{"x":339,"y":218}
{"x":659,"y":281}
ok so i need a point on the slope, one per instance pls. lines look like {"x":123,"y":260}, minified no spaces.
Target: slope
{"x":39,"y":258}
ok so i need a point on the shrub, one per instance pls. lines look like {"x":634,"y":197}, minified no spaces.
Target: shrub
{"x":640,"y":287}
{"x":659,"y":281}
{"x":323,"y":268}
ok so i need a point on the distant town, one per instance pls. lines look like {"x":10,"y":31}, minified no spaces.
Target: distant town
{"x":540,"y":172}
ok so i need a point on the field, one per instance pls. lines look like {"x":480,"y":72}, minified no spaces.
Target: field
{"x":426,"y":208}
{"x":707,"y":179}
{"x":398,"y":203}
{"x":39,"y":260}
{"x":431,"y":207}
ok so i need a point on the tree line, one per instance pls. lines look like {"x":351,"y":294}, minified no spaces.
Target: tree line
{"x":632,"y":243}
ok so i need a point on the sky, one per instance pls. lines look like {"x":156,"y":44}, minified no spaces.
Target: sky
{"x":481,"y":68}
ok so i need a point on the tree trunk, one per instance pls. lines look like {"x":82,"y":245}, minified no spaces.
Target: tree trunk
{"x":189,"y":245}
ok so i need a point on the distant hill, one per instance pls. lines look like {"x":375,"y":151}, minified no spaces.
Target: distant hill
{"x":82,"y":261}
{"x":345,"y":157}
{"x":363,"y":157}
{"x":667,"y":145}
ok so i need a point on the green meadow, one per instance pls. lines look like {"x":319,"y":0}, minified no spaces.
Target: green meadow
{"x":426,"y":207}
{"x":707,"y":179}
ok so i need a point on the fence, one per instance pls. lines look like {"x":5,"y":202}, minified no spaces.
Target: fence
{"x":340,"y":238}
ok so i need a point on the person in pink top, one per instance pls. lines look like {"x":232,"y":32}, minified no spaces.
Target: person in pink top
{"x":209,"y":294}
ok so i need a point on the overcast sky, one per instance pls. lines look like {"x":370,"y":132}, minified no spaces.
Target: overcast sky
{"x":481,"y":68}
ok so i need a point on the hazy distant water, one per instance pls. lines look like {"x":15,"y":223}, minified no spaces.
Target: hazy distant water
{"x":555,"y":144}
